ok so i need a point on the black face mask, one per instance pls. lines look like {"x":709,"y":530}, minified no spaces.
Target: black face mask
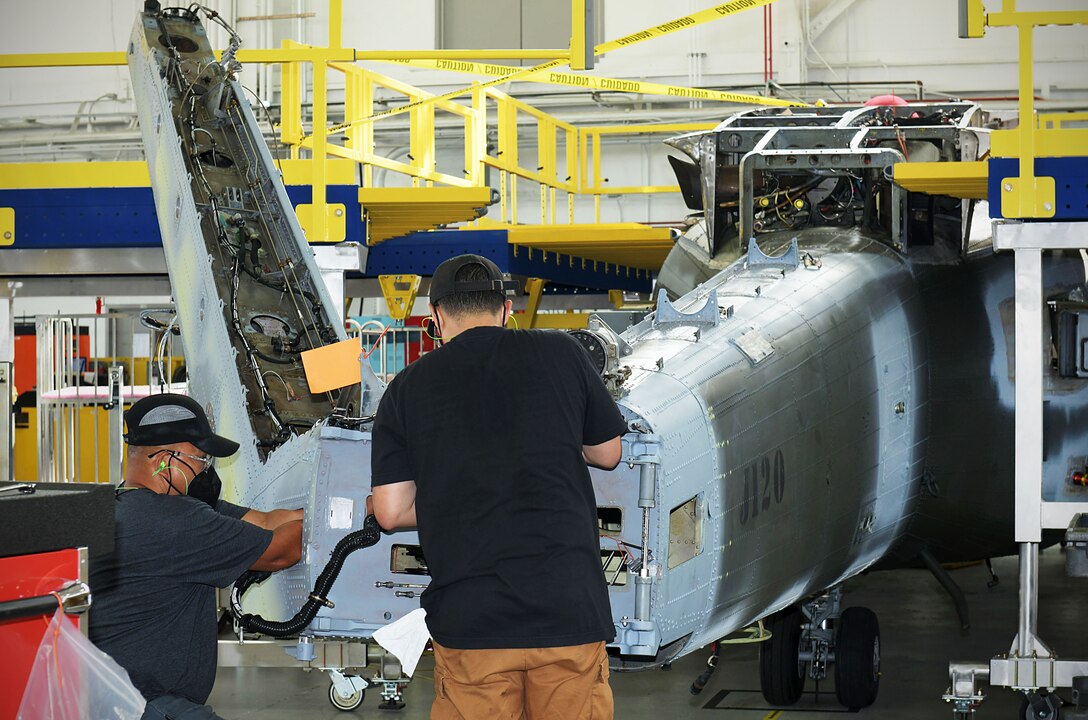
{"x":206,"y":487}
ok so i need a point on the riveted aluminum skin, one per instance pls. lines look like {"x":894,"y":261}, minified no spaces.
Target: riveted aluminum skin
{"x":805,"y":461}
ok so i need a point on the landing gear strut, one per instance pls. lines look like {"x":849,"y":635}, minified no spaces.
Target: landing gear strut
{"x":807,"y":639}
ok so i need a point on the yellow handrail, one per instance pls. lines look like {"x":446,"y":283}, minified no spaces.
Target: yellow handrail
{"x":1026,"y":195}
{"x":564,"y":161}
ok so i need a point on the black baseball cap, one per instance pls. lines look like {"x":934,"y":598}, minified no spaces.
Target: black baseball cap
{"x":169,"y":418}
{"x":443,"y":285}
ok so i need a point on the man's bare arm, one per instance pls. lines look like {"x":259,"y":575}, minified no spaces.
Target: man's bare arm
{"x":284,"y":550}
{"x":394,"y":505}
{"x":605,"y":456}
{"x":272,"y":519}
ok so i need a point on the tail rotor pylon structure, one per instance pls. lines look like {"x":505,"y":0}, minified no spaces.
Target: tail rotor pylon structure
{"x":250,"y":301}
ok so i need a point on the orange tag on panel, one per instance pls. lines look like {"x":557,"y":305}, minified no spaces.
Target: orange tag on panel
{"x":333,"y":366}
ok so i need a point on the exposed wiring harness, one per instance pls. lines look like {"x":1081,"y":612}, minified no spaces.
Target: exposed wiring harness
{"x":209,"y":106}
{"x":363,"y":538}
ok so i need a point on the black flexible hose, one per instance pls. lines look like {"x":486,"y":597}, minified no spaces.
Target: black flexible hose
{"x":711,"y":666}
{"x":364,"y":538}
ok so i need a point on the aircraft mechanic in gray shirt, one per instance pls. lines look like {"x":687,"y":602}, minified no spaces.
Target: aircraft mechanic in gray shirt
{"x":154,"y":597}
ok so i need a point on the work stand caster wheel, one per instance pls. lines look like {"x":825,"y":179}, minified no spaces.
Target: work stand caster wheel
{"x":345,"y":704}
{"x":391,"y":704}
{"x":1040,"y":706}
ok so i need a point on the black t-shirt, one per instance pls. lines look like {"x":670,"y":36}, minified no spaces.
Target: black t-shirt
{"x":490,"y":427}
{"x":154,"y":602}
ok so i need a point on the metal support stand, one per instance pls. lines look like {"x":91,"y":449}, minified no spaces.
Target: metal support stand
{"x":333,"y":261}
{"x":7,"y":320}
{"x":392,"y":680}
{"x":116,"y":420}
{"x":1030,"y":666}
{"x":7,"y":425}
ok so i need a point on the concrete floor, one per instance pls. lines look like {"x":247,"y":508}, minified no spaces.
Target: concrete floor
{"x":919,"y":635}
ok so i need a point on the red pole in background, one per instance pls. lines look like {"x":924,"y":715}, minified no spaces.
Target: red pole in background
{"x":768,"y":45}
{"x":98,"y":305}
{"x":764,"y":44}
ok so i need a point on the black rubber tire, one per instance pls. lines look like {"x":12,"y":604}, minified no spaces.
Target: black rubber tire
{"x":780,"y":679}
{"x":857,"y":658}
{"x":345,"y":704}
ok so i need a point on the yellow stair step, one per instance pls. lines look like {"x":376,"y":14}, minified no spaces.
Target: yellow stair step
{"x":630,"y":244}
{"x":966,"y":180}
{"x":392,"y":212}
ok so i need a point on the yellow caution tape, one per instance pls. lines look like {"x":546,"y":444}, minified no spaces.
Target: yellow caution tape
{"x":594,"y":82}
{"x":681,"y":23}
{"x":543,"y":67}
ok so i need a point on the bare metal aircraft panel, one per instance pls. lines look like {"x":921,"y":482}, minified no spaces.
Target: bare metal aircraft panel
{"x":250,"y":300}
{"x":824,"y":388}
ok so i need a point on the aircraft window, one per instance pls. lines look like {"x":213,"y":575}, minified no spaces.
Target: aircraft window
{"x":685,"y":532}
{"x":615,"y":568}
{"x":409,"y":560}
{"x":609,"y":520}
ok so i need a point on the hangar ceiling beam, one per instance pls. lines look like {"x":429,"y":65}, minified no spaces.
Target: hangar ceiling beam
{"x":827,"y":17}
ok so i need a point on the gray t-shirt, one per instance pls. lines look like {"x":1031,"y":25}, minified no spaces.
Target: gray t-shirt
{"x":154,"y":596}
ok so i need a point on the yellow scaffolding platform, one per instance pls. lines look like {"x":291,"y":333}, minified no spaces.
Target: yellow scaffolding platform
{"x":393,"y":212}
{"x":966,"y":180}
{"x":629,"y":244}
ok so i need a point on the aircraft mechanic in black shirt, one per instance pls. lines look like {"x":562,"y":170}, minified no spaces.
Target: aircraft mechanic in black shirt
{"x":485,"y":442}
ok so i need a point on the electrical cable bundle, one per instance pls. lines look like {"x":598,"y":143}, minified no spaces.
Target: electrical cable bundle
{"x":364,"y":538}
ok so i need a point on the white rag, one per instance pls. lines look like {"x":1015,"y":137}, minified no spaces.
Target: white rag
{"x":406,"y":639}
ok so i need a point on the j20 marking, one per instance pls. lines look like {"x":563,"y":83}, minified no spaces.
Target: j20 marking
{"x":764,"y":486}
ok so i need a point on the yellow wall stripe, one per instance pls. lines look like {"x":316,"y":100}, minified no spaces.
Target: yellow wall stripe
{"x":47,"y":175}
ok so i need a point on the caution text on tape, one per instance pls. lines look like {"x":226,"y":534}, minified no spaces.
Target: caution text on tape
{"x":681,"y":23}
{"x":593,"y":82}
{"x":543,"y":67}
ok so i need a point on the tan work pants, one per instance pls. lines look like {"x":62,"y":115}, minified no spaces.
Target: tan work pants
{"x":560,"y":683}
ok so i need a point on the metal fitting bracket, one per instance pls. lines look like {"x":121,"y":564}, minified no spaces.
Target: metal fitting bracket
{"x":666,"y":314}
{"x":788,"y":260}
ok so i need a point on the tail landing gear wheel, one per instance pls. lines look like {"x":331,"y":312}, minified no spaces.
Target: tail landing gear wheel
{"x":781,"y":675}
{"x":346,"y":704}
{"x":857,"y":658}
